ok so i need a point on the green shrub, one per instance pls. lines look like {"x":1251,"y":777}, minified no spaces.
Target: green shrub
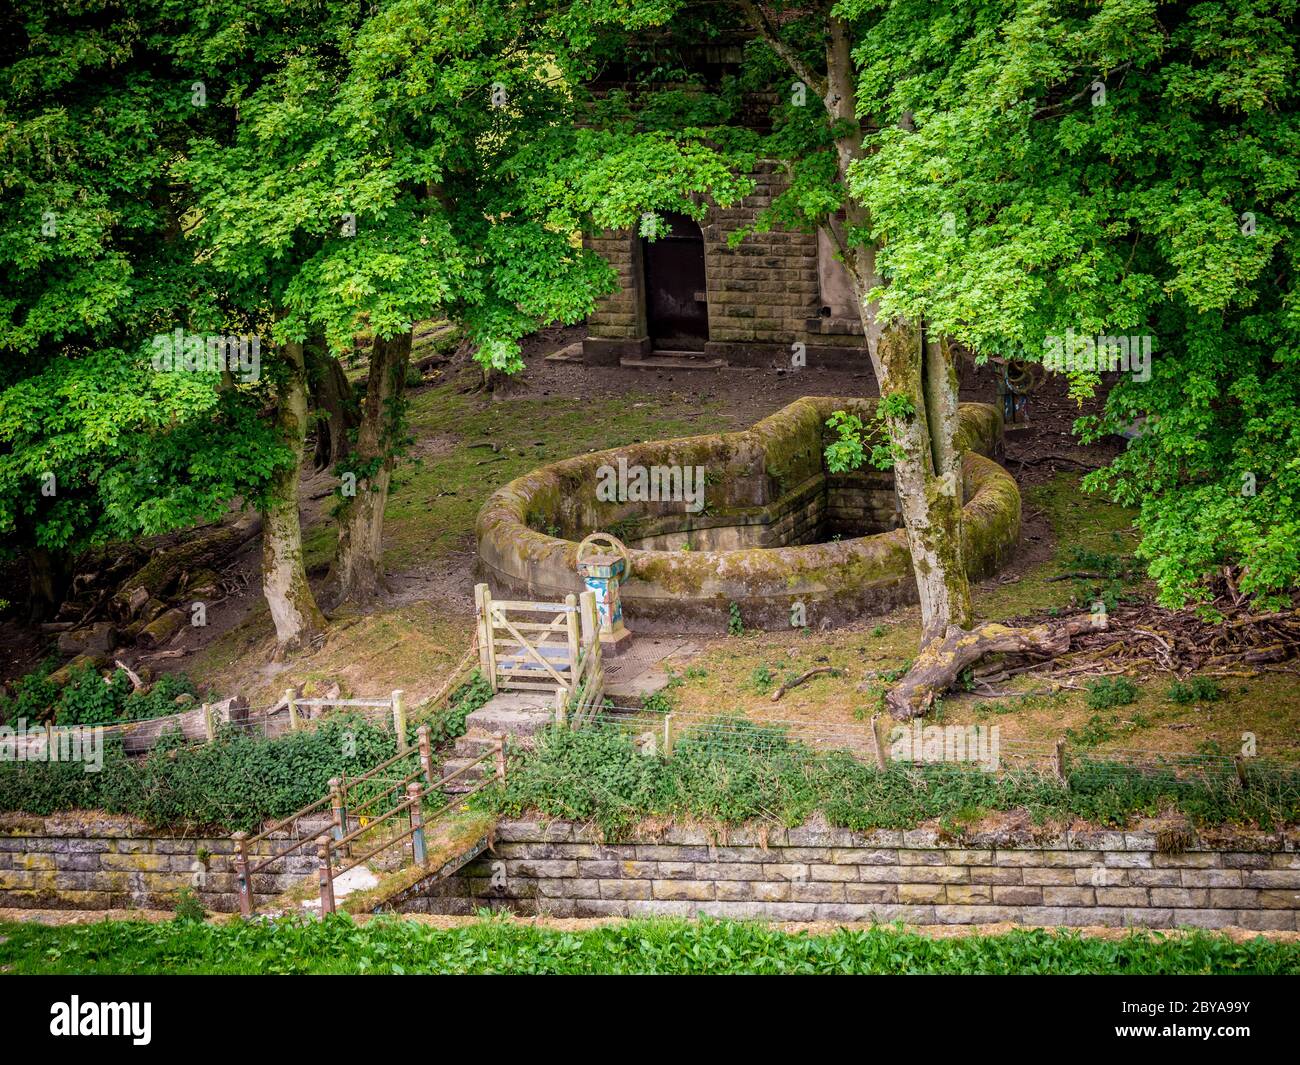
{"x":87,"y":699}
{"x":235,"y":782}
{"x":1111,"y":691}
{"x":735,"y":623}
{"x":761,"y":679}
{"x":188,"y":907}
{"x":1198,"y":690}
{"x":732,"y":771}
{"x":449,"y":724}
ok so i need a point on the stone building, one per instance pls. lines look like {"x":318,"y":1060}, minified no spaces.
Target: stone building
{"x":690,"y":295}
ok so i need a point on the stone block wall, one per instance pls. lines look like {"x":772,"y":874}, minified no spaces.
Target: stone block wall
{"x":98,"y":862}
{"x":763,"y":295}
{"x":826,"y":874}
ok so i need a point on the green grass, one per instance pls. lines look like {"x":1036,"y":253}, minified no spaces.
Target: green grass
{"x":395,"y":946}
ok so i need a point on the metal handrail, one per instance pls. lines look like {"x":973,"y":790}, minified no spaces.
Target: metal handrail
{"x":414,"y":806}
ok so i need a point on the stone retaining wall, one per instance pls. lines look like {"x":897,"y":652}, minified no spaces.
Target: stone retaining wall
{"x":100,"y":862}
{"x":824,"y":874}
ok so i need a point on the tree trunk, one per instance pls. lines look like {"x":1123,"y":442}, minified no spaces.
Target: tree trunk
{"x":333,"y":395}
{"x":357,"y":570}
{"x":297,"y":618}
{"x":927,"y":465}
{"x":49,"y":574}
{"x":927,"y":479}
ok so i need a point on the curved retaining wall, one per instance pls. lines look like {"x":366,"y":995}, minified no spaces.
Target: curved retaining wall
{"x":829,"y":874}
{"x":766,"y":493}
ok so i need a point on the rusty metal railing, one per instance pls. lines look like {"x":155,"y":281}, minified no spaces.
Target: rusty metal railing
{"x":339,"y":838}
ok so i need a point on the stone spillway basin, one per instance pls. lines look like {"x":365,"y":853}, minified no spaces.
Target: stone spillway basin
{"x":751,"y":518}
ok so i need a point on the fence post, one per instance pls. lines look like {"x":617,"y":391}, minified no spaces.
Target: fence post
{"x":1242,"y":779}
{"x":668,"y":735}
{"x":876,"y":749}
{"x":1058,"y":763}
{"x":399,"y":721}
{"x":326,"y":876}
{"x":208,"y":730}
{"x":561,"y":707}
{"x":241,"y":875}
{"x":413,"y":792}
{"x":340,"y":814}
{"x":291,"y":697}
{"x":501,"y":758}
{"x":426,"y":753}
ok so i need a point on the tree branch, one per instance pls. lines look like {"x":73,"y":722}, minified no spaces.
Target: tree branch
{"x":767,"y":30}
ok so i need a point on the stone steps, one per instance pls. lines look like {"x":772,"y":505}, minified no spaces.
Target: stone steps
{"x":672,"y":360}
{"x":520,"y":715}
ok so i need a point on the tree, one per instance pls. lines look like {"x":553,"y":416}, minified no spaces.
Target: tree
{"x":95,"y":443}
{"x":1072,"y":177}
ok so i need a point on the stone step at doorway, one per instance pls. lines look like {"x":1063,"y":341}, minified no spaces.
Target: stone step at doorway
{"x":673,"y":360}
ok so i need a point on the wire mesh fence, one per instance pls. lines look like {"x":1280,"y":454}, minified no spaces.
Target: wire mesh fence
{"x":889,"y":742}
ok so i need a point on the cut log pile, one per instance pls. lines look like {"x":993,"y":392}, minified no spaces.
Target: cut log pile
{"x":128,"y":596}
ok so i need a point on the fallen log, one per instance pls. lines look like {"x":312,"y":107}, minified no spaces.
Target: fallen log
{"x":161,"y":629}
{"x":206,"y":550}
{"x":942,"y":661}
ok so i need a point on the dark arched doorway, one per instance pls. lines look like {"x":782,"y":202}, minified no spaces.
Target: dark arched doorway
{"x":677,"y":311}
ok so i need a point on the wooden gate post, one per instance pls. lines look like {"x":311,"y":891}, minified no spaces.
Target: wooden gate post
{"x":501,"y":758}
{"x":487,"y":657}
{"x":326,"y":876}
{"x":575,"y":644}
{"x":340,"y":813}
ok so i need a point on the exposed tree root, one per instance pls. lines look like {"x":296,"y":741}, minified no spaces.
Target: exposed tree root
{"x":942,"y":660}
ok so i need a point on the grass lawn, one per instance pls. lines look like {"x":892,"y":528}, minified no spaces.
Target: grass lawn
{"x":502,"y":945}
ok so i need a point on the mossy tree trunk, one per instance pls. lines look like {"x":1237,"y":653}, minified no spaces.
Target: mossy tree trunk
{"x":357,"y":573}
{"x":927,"y":463}
{"x":298,"y":620}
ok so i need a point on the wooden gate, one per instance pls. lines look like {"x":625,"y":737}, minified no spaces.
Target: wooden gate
{"x":543,"y":647}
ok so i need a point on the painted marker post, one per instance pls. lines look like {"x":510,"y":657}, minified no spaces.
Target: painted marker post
{"x":291,"y":698}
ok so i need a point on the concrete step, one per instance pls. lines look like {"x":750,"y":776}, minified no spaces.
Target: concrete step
{"x":514,"y":713}
{"x":470,"y":779}
{"x":664,"y":360}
